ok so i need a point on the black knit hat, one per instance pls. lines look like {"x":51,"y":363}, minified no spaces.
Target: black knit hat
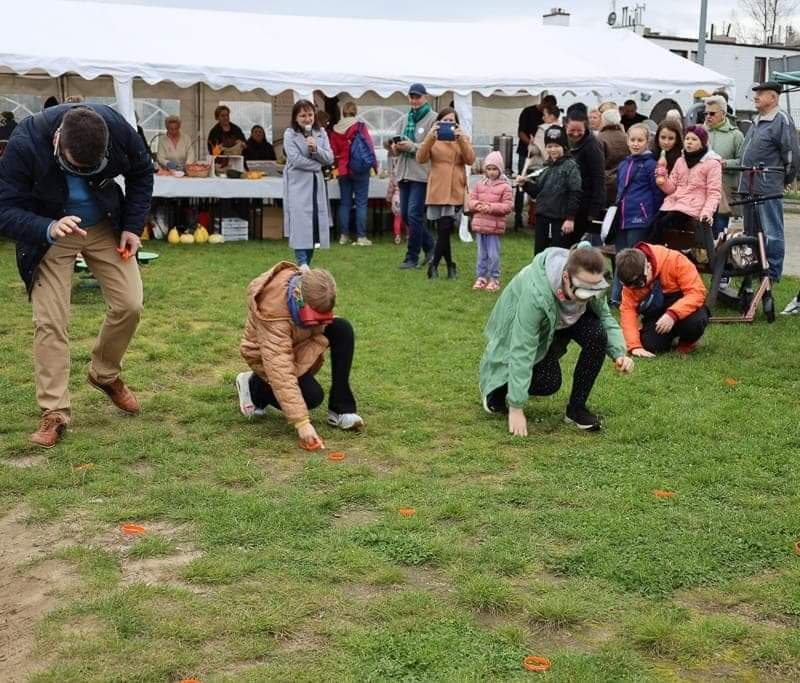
{"x":556,"y":135}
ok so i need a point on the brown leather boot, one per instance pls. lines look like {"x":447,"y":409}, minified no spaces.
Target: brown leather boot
{"x":51,"y":429}
{"x":120,"y":395}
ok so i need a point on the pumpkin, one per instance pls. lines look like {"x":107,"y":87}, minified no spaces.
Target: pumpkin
{"x":200,"y":234}
{"x":216,"y":238}
{"x":187,"y":238}
{"x":173,"y":237}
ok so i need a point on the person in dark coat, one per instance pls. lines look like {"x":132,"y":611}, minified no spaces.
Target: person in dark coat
{"x":225,"y":135}
{"x":7,"y":124}
{"x":258,"y":149}
{"x":588,"y":152}
{"x":58,"y":198}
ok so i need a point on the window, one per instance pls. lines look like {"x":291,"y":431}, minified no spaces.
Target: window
{"x":383,"y":123}
{"x":21,"y":106}
{"x":760,"y":69}
{"x":151,"y":114}
{"x":681,"y":53}
{"x":249,"y":114}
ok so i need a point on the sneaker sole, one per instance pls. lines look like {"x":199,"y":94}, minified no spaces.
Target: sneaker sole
{"x":585,"y":428}
{"x":239,"y":391}
{"x":353,"y":428}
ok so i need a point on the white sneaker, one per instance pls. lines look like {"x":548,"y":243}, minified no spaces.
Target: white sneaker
{"x":363,"y":242}
{"x":344,"y":239}
{"x":345,"y":421}
{"x":792,"y":308}
{"x":245,"y":401}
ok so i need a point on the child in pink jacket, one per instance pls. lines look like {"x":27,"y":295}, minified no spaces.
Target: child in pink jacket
{"x":490,"y":201}
{"x":693,"y":188}
{"x":393,"y":200}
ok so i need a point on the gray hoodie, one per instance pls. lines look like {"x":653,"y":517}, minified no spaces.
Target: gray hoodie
{"x":771,"y":140}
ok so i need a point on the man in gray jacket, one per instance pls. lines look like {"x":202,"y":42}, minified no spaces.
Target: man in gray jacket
{"x":772,"y":141}
{"x":412,"y":177}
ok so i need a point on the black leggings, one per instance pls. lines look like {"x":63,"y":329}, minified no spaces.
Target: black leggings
{"x":547,"y":233}
{"x":444,"y":226}
{"x":666,"y":220}
{"x":546,"y":378}
{"x":688,"y":330}
{"x":341,"y":400}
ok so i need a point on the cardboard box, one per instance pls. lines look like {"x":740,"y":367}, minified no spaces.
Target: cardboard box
{"x":272,"y":223}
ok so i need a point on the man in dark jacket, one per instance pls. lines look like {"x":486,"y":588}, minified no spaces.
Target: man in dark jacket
{"x":588,"y":152}
{"x":58,"y":198}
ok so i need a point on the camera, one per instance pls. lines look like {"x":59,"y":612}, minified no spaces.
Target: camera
{"x":446,"y":131}
{"x":396,"y":139}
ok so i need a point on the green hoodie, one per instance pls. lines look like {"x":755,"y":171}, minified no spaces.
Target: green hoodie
{"x":521,"y":327}
{"x":727,"y":141}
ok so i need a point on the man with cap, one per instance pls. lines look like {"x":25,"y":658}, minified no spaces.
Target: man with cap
{"x":412,"y":176}
{"x":58,"y":197}
{"x":772,"y":141}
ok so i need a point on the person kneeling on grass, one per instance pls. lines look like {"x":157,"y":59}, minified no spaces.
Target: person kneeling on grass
{"x":558,"y":298}
{"x":289,"y":325}
{"x":663,"y":287}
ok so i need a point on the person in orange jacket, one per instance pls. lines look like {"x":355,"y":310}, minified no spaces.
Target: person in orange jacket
{"x":663,"y":287}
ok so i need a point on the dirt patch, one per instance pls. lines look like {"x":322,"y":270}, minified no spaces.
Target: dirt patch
{"x":114,"y":540}
{"x":160,"y":571}
{"x":30,"y":586}
{"x":428,"y":579}
{"x":85,"y":627}
{"x":25,"y":461}
{"x":348,"y":518}
{"x":142,"y":468}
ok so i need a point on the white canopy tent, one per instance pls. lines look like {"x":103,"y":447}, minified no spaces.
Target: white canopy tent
{"x":280,"y":53}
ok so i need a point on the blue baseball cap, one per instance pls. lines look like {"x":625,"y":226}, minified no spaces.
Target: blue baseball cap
{"x":417,"y":89}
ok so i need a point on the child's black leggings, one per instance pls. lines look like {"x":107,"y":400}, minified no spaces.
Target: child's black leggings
{"x":444,"y":226}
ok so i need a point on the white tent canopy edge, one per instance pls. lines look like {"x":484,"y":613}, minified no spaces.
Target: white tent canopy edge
{"x":94,"y":39}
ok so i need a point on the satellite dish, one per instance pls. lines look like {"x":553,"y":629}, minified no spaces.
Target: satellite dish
{"x":612,"y":19}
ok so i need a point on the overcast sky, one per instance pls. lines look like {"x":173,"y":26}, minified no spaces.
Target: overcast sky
{"x":673,"y":17}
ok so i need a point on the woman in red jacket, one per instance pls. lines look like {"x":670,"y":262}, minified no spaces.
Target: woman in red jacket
{"x":353,"y":187}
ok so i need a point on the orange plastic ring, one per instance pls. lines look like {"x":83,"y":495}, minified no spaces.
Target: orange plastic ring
{"x":132,"y":529}
{"x":797,"y":548}
{"x":658,"y":493}
{"x":407,"y":512}
{"x":336,"y":456}
{"x":316,"y":446}
{"x":189,"y":680}
{"x":731,"y":382}
{"x":536,"y":663}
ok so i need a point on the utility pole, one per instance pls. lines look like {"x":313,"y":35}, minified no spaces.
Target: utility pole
{"x":701,"y":36}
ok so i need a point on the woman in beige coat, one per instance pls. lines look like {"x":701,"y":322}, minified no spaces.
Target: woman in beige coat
{"x":448,"y":149}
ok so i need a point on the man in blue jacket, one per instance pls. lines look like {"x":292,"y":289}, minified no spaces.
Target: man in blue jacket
{"x":58,"y":198}
{"x":772,"y":141}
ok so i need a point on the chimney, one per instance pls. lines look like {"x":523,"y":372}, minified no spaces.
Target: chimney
{"x":556,"y":17}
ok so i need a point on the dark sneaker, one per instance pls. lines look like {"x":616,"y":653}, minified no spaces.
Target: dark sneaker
{"x":120,"y":395}
{"x":408,"y":265}
{"x":51,"y":429}
{"x":493,"y":406}
{"x":582,"y":419}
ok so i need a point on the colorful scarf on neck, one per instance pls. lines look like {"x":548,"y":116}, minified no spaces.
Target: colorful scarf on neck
{"x":414,"y":117}
{"x":302,"y":314}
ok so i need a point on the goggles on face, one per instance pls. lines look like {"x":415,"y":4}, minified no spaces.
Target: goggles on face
{"x":584,"y":291}
{"x":72,"y":169}
{"x":638,"y":282}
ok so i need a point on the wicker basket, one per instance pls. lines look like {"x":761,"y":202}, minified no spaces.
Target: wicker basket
{"x":197,"y":170}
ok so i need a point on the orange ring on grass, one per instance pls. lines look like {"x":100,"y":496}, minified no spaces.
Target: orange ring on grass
{"x":659,"y":493}
{"x":731,"y":382}
{"x":336,"y":456}
{"x":316,"y":446}
{"x":407,"y":512}
{"x":132,"y":529}
{"x":797,"y":548}
{"x":533,"y":663}
{"x":189,"y":680}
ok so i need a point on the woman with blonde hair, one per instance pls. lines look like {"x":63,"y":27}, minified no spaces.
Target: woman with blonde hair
{"x":174,"y":148}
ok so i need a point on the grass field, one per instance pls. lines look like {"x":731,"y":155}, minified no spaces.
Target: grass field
{"x":262,"y":562}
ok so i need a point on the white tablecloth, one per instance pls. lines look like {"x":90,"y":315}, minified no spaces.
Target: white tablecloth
{"x":228,"y":188}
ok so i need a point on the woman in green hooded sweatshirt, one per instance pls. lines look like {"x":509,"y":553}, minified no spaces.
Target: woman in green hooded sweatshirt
{"x":558,"y":298}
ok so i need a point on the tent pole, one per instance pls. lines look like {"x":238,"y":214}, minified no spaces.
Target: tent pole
{"x":123,"y":91}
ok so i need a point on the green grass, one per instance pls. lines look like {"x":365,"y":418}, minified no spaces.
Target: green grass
{"x":267,"y":563}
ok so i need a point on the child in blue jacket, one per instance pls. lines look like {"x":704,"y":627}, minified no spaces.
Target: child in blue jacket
{"x":638,"y":196}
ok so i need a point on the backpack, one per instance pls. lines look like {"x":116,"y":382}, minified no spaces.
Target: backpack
{"x":362,"y":156}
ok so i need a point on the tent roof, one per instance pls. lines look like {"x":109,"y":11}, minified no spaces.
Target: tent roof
{"x":279,"y":53}
{"x":787,"y":78}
